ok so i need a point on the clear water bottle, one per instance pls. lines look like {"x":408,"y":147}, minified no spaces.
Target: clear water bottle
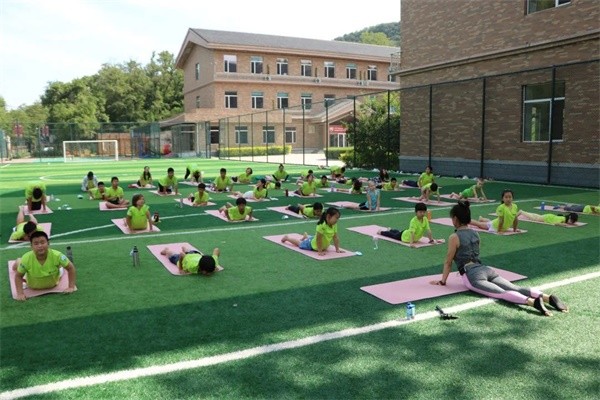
{"x":181,"y":202}
{"x":70,"y":253}
{"x":375,"y":242}
{"x":332,"y":187}
{"x":135,"y":256}
{"x":543,"y":206}
{"x":410,"y":311}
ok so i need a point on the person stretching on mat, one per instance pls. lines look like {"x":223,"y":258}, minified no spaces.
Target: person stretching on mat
{"x":471,"y":192}
{"x":419,"y":224}
{"x":259,"y":192}
{"x":114,"y":195}
{"x":373,"y":199}
{"x":138,"y":215}
{"x":42,"y":267}
{"x":23,"y":229}
{"x":507,"y":216}
{"x":241,"y":212}
{"x":463,"y":249}
{"x":145,"y":180}
{"x":308,"y":211}
{"x":192,"y":261}
{"x":585,"y":209}
{"x":168,"y":184}
{"x":326,"y":233}
{"x":200,"y":198}
{"x":552,"y":219}
{"x":308,"y":188}
{"x":35,"y":195}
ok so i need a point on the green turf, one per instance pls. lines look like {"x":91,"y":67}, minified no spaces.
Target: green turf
{"x":124,"y":317}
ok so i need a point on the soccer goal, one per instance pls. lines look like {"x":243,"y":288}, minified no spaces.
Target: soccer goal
{"x":95,"y":150}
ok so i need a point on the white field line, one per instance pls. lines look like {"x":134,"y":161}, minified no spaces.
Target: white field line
{"x":125,"y":375}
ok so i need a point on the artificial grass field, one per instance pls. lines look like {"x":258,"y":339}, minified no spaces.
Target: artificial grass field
{"x":124,"y":317}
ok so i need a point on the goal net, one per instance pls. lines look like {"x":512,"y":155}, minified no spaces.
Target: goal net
{"x":92,"y":150}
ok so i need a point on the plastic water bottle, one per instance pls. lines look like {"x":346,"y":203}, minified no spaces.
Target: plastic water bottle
{"x":375,"y":242}
{"x":332,"y":187}
{"x":429,"y":215}
{"x":543,"y":206}
{"x":181,"y":202}
{"x":70,"y":253}
{"x":156,"y":217}
{"x":135,"y":256}
{"x":287,"y":193}
{"x":410,"y":311}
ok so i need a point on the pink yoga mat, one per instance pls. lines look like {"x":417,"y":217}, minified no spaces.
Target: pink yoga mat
{"x":371,"y":230}
{"x":188,"y":183}
{"x":575,"y":225}
{"x":429,"y":203}
{"x":190,"y":203}
{"x":122,"y":225}
{"x":156,"y":192}
{"x":471,"y":200}
{"x":560,"y":210}
{"x":155,"y":249}
{"x":292,"y":194}
{"x":102,"y":206}
{"x":331,"y":254}
{"x":419,"y":288}
{"x":136,"y":186}
{"x":354,"y":205}
{"x":216,"y":213}
{"x":284,"y":210}
{"x":249,"y":200}
{"x":448,"y":222}
{"x":46,"y":226}
{"x":62,"y":285}
{"x":37,"y":212}
{"x":407,"y":187}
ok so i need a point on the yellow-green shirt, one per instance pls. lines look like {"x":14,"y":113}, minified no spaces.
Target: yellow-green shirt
{"x":33,"y":185}
{"x":327,"y":232}
{"x":308,"y":212}
{"x":389,"y":186}
{"x":201,"y":199}
{"x":144,"y":182}
{"x":44,"y":276}
{"x":222,"y":183}
{"x":279,"y":175}
{"x":168,"y":182}
{"x":426,"y":178}
{"x":235,"y":215}
{"x":112,"y":194}
{"x":244,"y":178}
{"x":308,"y":188}
{"x":554,"y":219}
{"x":190,"y":262}
{"x":19,"y":233}
{"x":509,"y":215}
{"x":418,"y":228}
{"x":96,"y":194}
{"x":139,"y":216}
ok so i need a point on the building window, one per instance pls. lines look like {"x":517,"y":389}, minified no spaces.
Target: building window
{"x":268,"y":134}
{"x":230,"y":99}
{"x":306,"y":100}
{"x":539,"y":5}
{"x":256,"y":65}
{"x":329,"y":68}
{"x":230,"y":63}
{"x":197,"y":70}
{"x":282,"y":66}
{"x":258,"y":100}
{"x":351,"y":71}
{"x":305,"y":67}
{"x":197,"y":101}
{"x":290,"y":134}
{"x":329,"y":100}
{"x":282,"y":100}
{"x":537,"y":112}
{"x":372,"y":73}
{"x":214,"y":135}
{"x":241,"y":135}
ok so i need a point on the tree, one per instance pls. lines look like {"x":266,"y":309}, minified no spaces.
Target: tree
{"x":377,"y":38}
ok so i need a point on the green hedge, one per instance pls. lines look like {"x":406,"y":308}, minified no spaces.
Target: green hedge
{"x":335,"y":153}
{"x":250,"y":151}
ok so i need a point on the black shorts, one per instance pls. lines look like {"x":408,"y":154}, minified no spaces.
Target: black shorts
{"x":295,"y":209}
{"x":114,"y":201}
{"x":36,"y":205}
{"x":393,"y":233}
{"x":161,"y":188}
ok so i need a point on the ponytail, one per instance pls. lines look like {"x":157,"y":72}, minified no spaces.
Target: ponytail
{"x":462,"y":212}
{"x":330,"y":211}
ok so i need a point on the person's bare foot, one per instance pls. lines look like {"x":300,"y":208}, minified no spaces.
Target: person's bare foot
{"x":164,"y":251}
{"x":304,"y":236}
{"x":284,"y":239}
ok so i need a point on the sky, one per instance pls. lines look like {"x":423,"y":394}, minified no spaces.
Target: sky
{"x":61,"y":40}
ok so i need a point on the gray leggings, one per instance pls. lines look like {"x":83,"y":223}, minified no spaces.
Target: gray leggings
{"x":485,"y":280}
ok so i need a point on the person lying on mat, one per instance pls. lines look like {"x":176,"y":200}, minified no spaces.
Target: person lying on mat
{"x":259,"y":192}
{"x":114,"y":195}
{"x":463,"y":249}
{"x":138,"y":215}
{"x":23,"y":229}
{"x":323,"y":182}
{"x":356,"y":186}
{"x":89,"y":182}
{"x":471,"y":192}
{"x":200,"y":198}
{"x":578,"y":208}
{"x":193,"y":261}
{"x":419,"y":225}
{"x":35,"y":195}
{"x":552,"y":219}
{"x":270,"y":185}
{"x":309,"y":187}
{"x":303,"y":177}
{"x":42,"y":267}
{"x":222,"y":183}
{"x":427,"y":190}
{"x":98,"y":193}
{"x":168,"y":184}
{"x":326,"y":233}
{"x":241,"y":212}
{"x":246,"y":177}
{"x":392,"y":185}
{"x":373,"y":198}
{"x":506,"y":216}
{"x":308,"y":211}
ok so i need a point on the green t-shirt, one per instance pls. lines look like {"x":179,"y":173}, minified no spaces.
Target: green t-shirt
{"x":193,"y":168}
{"x":270,"y":185}
{"x":259,"y":194}
{"x":588,"y":209}
{"x":235,"y":215}
{"x":112,"y":194}
{"x":144,"y":182}
{"x":190,"y":262}
{"x":468,"y":192}
{"x":426,"y":178}
{"x":418,"y":228}
{"x":280,"y":174}
{"x":96,"y":194}
{"x":554,"y":219}
{"x":336,"y":171}
{"x":389,"y":186}
{"x":428,"y":187}
{"x":244,"y":178}
{"x":327,"y":232}
{"x":308,"y":212}
{"x":166,"y":182}
{"x":222,"y":183}
{"x":19,"y":233}
{"x":139,"y":216}
{"x":509,"y":215}
{"x":308,"y":188}
{"x":29,"y":190}
{"x":44,"y":276}
{"x":321,"y":184}
{"x":198,"y":199}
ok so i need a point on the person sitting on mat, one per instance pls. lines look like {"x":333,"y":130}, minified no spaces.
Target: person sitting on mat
{"x":35,"y":195}
{"x":373,"y":199}
{"x":326,"y":233}
{"x":145,"y":179}
{"x":427,"y":190}
{"x":309,"y":187}
{"x":419,"y":225}
{"x":259,"y":192}
{"x":471,"y":192}
{"x":168,"y":184}
{"x":114,"y":195}
{"x":308,"y":211}
{"x":241,"y":212}
{"x":506,"y":216}
{"x":193,"y":261}
{"x":89,"y":182}
{"x":42,"y":267}
{"x":98,"y":193}
{"x":138,"y":215}
{"x":246,"y":177}
{"x":281,"y":174}
{"x":463,"y":249}
{"x":200,"y":198}
{"x":222,"y":183}
{"x":23,"y":229}
{"x":552,"y":219}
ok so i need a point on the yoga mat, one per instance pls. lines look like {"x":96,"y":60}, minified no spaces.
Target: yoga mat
{"x":406,"y":186}
{"x":155,"y":249}
{"x":190,"y":203}
{"x":471,"y":199}
{"x":102,"y":206}
{"x":429,"y":203}
{"x":292,"y":194}
{"x":188,"y":183}
{"x":46,"y":226}
{"x":339,"y":190}
{"x":561,"y":210}
{"x":354,"y":205}
{"x":122,"y":225}
{"x":284,"y":210}
{"x":575,"y":225}
{"x":331,"y":254}
{"x":156,"y":192}
{"x":136,"y":186}
{"x":371,"y":230}
{"x":419,"y":288}
{"x":216,"y":213}
{"x":250,"y":200}
{"x":37,"y":212}
{"x":62,"y":285}
{"x":448,"y":222}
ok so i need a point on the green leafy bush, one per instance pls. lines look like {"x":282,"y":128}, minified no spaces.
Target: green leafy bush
{"x":250,"y":151}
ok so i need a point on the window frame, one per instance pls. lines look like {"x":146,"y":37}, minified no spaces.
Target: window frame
{"x":256,"y":65}
{"x":546,"y":104}
{"x":306,"y":101}
{"x":529,"y":4}
{"x":351,"y":71}
{"x":305,"y":68}
{"x":241,"y":131}
{"x":282,"y":66}
{"x":283,"y":100}
{"x":231,"y":99}
{"x":230,"y":63}
{"x":372,"y":73}
{"x":255,"y":99}
{"x":292,"y":131}
{"x":197,"y":71}
{"x":266,"y":131}
{"x":329,"y":69}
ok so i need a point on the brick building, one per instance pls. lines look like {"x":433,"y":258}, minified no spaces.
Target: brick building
{"x":243,"y":89}
{"x":485,"y":82}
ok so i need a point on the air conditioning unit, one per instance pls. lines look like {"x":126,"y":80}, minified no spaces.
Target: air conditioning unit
{"x":317,"y":80}
{"x":268,"y":78}
{"x":359,"y":83}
